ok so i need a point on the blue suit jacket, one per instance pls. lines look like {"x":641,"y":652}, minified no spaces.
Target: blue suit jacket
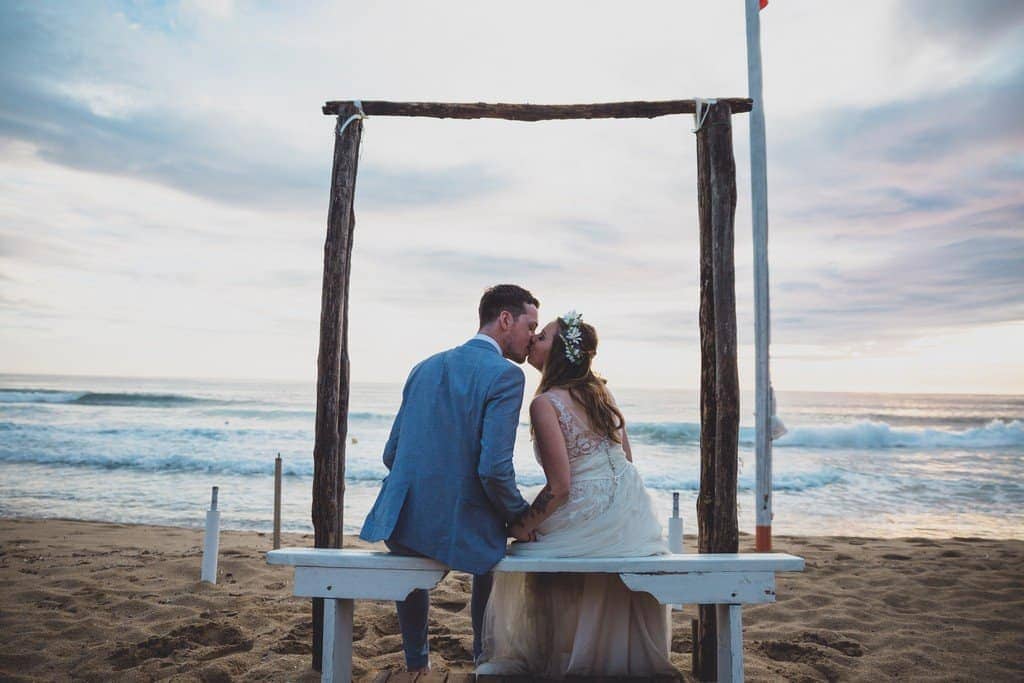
{"x":452,"y":487}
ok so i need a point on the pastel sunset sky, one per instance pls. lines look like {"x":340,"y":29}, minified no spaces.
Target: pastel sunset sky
{"x":164,"y":170}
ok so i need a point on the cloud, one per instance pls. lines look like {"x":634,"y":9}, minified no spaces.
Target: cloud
{"x":87,"y":112}
{"x":968,"y":23}
{"x":675,"y":326}
{"x":948,"y":126}
{"x":21,"y":245}
{"x":382,"y":187}
{"x":954,"y":285}
{"x":910,"y":212}
{"x":103,"y":133}
{"x":475,"y":265}
{"x":171,"y":158}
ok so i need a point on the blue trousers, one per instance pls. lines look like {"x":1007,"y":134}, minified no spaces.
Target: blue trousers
{"x":414,"y":610}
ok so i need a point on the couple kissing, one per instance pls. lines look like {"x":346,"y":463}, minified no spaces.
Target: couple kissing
{"x":451,"y":495}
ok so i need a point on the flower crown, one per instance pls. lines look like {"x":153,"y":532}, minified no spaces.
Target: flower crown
{"x":572,"y":337}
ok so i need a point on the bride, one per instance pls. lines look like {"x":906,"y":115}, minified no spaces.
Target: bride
{"x":593,"y":505}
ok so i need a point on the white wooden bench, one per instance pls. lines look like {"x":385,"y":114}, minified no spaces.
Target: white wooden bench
{"x":726,"y":581}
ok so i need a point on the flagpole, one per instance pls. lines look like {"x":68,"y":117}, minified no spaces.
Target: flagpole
{"x":762,"y":320}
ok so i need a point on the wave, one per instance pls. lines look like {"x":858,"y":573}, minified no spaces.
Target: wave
{"x":180,"y":463}
{"x":38,"y":396}
{"x":677,"y":433}
{"x":780,"y":482}
{"x":154,"y":400}
{"x":91,"y":398}
{"x":868,"y":435}
{"x":244,"y":410}
{"x":864,"y":435}
{"x":358,"y":471}
{"x":148,"y":435}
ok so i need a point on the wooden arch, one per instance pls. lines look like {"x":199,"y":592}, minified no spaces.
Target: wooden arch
{"x":719,"y":387}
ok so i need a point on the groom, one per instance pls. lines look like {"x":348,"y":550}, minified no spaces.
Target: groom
{"x":451,"y":492}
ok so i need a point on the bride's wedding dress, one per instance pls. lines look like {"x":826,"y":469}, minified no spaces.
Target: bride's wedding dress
{"x":554,"y":625}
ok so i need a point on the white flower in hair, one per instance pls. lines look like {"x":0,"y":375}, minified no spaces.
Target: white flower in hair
{"x":572,"y":318}
{"x":572,"y":336}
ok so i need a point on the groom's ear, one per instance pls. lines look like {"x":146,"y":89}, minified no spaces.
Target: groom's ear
{"x":505,"y":320}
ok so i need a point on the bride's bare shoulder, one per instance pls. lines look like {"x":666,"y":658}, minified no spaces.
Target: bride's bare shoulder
{"x":560,"y":399}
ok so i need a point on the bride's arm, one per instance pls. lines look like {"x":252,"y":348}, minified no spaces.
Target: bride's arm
{"x":555,"y":460}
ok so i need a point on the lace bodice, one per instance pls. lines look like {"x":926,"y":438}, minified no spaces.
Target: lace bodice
{"x":596,"y":463}
{"x":579,"y":441}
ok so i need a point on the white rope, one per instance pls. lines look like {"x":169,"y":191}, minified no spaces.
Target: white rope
{"x":698,"y":118}
{"x":358,"y":115}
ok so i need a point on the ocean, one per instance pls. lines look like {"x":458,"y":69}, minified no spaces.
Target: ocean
{"x":148,"y":451}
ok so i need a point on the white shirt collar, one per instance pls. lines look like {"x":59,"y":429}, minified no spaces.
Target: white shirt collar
{"x":490,"y":340}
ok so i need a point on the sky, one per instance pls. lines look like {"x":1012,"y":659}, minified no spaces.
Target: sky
{"x":164,"y":173}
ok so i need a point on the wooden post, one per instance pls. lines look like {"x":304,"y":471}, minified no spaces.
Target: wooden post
{"x":277,"y":502}
{"x":717,"y":526}
{"x":332,"y":391}
{"x":530,"y":112}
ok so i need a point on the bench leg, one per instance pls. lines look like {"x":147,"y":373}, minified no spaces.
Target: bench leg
{"x":336,"y":665}
{"x":730,"y":643}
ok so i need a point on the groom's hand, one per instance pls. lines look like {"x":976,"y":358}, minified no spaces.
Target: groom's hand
{"x":519,"y":532}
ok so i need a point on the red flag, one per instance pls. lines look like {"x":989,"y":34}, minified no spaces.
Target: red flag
{"x":764,"y":3}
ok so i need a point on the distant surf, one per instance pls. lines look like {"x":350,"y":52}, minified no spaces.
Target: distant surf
{"x":90,"y":398}
{"x":356,"y":471}
{"x":149,"y":449}
{"x":865,"y":434}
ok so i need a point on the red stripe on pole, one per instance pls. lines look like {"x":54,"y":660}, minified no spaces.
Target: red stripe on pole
{"x":763,"y":534}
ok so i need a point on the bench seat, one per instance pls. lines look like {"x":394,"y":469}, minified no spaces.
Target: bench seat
{"x":727,"y":581}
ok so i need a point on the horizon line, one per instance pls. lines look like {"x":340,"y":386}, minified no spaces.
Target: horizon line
{"x":281,"y":380}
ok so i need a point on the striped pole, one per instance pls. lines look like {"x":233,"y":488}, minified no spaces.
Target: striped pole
{"x":762,"y":320}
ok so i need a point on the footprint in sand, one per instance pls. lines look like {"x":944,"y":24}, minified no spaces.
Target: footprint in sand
{"x":298,"y":640}
{"x":850,"y":648}
{"x":220,"y":639}
{"x":156,"y":647}
{"x":451,"y":604}
{"x":451,"y":648}
{"x":807,"y":648}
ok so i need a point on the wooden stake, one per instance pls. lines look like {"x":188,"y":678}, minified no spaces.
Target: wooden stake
{"x":333,"y":361}
{"x":717,"y":527}
{"x":725,"y":538}
{"x":277,"y":502}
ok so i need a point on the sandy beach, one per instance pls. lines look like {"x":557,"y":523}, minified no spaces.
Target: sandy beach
{"x":96,"y":601}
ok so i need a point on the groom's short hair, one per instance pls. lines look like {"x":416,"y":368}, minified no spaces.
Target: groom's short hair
{"x":511,"y":298}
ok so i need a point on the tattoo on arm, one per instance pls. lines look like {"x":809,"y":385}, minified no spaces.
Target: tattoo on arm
{"x":538,"y":508}
{"x":544,"y":498}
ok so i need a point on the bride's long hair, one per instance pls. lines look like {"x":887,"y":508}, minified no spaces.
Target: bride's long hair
{"x":584,"y":386}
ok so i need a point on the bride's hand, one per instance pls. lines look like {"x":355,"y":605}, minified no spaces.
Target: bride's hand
{"x":519,"y":532}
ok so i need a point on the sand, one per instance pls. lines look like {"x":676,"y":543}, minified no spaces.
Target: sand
{"x":95,"y":601}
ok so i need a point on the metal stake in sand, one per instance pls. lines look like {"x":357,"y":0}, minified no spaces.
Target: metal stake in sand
{"x":675,"y":527}
{"x":675,"y":532}
{"x":211,"y":542}
{"x":277,"y":502}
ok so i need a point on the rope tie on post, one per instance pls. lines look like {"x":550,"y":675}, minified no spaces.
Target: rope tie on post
{"x":358,"y":115}
{"x":698,"y":117}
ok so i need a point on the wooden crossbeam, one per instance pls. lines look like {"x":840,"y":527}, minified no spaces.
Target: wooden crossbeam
{"x":531,"y":112}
